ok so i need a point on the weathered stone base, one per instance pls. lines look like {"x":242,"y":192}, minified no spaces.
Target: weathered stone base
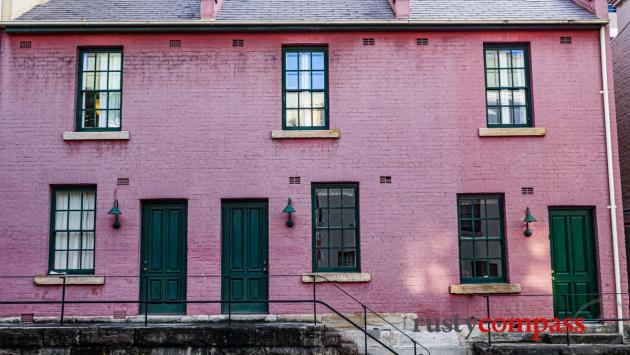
{"x":236,"y":338}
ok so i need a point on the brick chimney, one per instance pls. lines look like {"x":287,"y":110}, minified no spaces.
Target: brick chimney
{"x":598,"y":8}
{"x":400,"y":7}
{"x":210,"y":8}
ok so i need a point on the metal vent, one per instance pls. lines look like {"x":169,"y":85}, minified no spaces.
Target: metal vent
{"x":175,"y":43}
{"x":566,"y":40}
{"x":120,"y":314}
{"x":386,"y":179}
{"x":527,"y":190}
{"x":238,"y":43}
{"x":294,"y":180}
{"x":26,"y":44}
{"x":27,"y":317}
{"x":422,"y":41}
{"x":123,"y":181}
{"x":368,"y":41}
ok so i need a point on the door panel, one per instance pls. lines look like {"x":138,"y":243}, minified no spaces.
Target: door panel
{"x":244,"y":256}
{"x":163,"y":256}
{"x":573,"y":263}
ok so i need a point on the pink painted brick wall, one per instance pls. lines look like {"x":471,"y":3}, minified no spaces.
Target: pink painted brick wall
{"x":200,"y":119}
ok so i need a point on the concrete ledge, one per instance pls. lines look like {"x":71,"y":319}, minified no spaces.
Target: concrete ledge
{"x":336,"y":277}
{"x":513,"y":132}
{"x":312,"y":134}
{"x":49,"y":280}
{"x":96,"y":136}
{"x":484,"y":289}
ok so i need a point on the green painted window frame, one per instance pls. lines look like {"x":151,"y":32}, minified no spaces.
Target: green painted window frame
{"x":53,"y":230}
{"x":356,"y":226}
{"x":477,"y":222}
{"x":511,"y":88}
{"x":312,"y":49}
{"x":81,"y":89}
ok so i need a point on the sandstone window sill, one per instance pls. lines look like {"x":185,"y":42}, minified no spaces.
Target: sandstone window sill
{"x":51,"y":280}
{"x":336,"y":277}
{"x":306,"y":134}
{"x":513,"y":132}
{"x":485,"y":289}
{"x":96,"y":136}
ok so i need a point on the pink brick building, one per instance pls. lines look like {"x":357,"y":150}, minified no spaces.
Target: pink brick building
{"x":411,"y":139}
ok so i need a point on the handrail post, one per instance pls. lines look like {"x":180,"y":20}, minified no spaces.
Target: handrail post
{"x":488,"y":316}
{"x":229,"y":289}
{"x":314,"y":300}
{"x":63,"y":299}
{"x":365,"y":336}
{"x":415,"y":349}
{"x":146,"y":301}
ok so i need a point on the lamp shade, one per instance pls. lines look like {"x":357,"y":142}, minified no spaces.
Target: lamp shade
{"x":529,"y":218}
{"x":289,"y":208}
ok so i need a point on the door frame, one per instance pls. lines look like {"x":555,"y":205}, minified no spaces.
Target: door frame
{"x":264,"y":202}
{"x":142,"y":283}
{"x":591,"y":210}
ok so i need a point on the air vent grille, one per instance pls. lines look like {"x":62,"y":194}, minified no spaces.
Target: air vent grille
{"x":386,"y":179}
{"x":368,"y":41}
{"x":566,"y":40}
{"x":26,"y":44}
{"x":122,"y":181}
{"x":294,"y":180}
{"x":175,"y":43}
{"x":238,"y":43}
{"x":527,"y":190}
{"x":120,"y":314}
{"x":422,"y":41}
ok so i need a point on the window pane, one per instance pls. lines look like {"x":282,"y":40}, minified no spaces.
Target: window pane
{"x":321,"y":216}
{"x":506,"y":115}
{"x":114,"y":81}
{"x":88,"y":220}
{"x":101,"y":61}
{"x":292,"y":100}
{"x":101,"y":81}
{"x":305,"y":80}
{"x":467,"y":268}
{"x":520,"y":115}
{"x":506,"y":78}
{"x":73,"y":260}
{"x":305,"y":118}
{"x":348,"y":197}
{"x":349,"y":238}
{"x":318,"y":80}
{"x":519,"y":97}
{"x":321,"y":239}
{"x":88,"y":240}
{"x":492,"y":208}
{"x":348,"y":218}
{"x":74,"y":220}
{"x":518,"y":58}
{"x":494,"y":249}
{"x":322,"y":197}
{"x":466,"y":249}
{"x":335,"y":218}
{"x":492,"y":59}
{"x":481,"y":268}
{"x":505,"y":58}
{"x":335,"y":238}
{"x":305,"y":99}
{"x":61,"y":240}
{"x":493,"y":97}
{"x":493,"y":116}
{"x":465,"y":209}
{"x":292,"y":80}
{"x":89,"y":100}
{"x":75,"y":200}
{"x":292,"y":61}
{"x":494,"y":228}
{"x":62,"y":200}
{"x":480,"y":249}
{"x":318,"y":118}
{"x":89,"y":60}
{"x":115,"y":61}
{"x":318,"y":99}
{"x":114,"y":100}
{"x":305,"y":61}
{"x":335,"y":197}
{"x":519,"y":77}
{"x":506,"y":97}
{"x":292,"y":118}
{"x":495,"y":269}
{"x":88,"y":119}
{"x":317,"y":61}
{"x":101,"y":118}
{"x":492,"y":78}
{"x":87,"y":260}
{"x":74,"y":240}
{"x":88,"y":81}
{"x":101,"y":100}
{"x":322,"y":258}
{"x":113,"y":119}
{"x":60,"y":259}
{"x":61,"y":220}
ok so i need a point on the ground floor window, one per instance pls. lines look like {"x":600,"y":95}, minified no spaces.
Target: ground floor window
{"x":481,"y":238}
{"x":335,"y":227}
{"x":72,"y":231}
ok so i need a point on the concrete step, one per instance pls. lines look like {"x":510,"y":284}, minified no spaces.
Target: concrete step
{"x":550,"y":349}
{"x":594,"y":338}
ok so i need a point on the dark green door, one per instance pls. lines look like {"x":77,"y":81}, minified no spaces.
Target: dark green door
{"x":244,"y":256}
{"x":163,"y":256}
{"x":573,"y":264}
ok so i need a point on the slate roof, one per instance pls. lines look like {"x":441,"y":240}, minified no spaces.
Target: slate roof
{"x":498,"y":10}
{"x":173,"y":10}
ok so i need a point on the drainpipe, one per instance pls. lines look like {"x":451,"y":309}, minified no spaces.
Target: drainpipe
{"x":611,"y":180}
